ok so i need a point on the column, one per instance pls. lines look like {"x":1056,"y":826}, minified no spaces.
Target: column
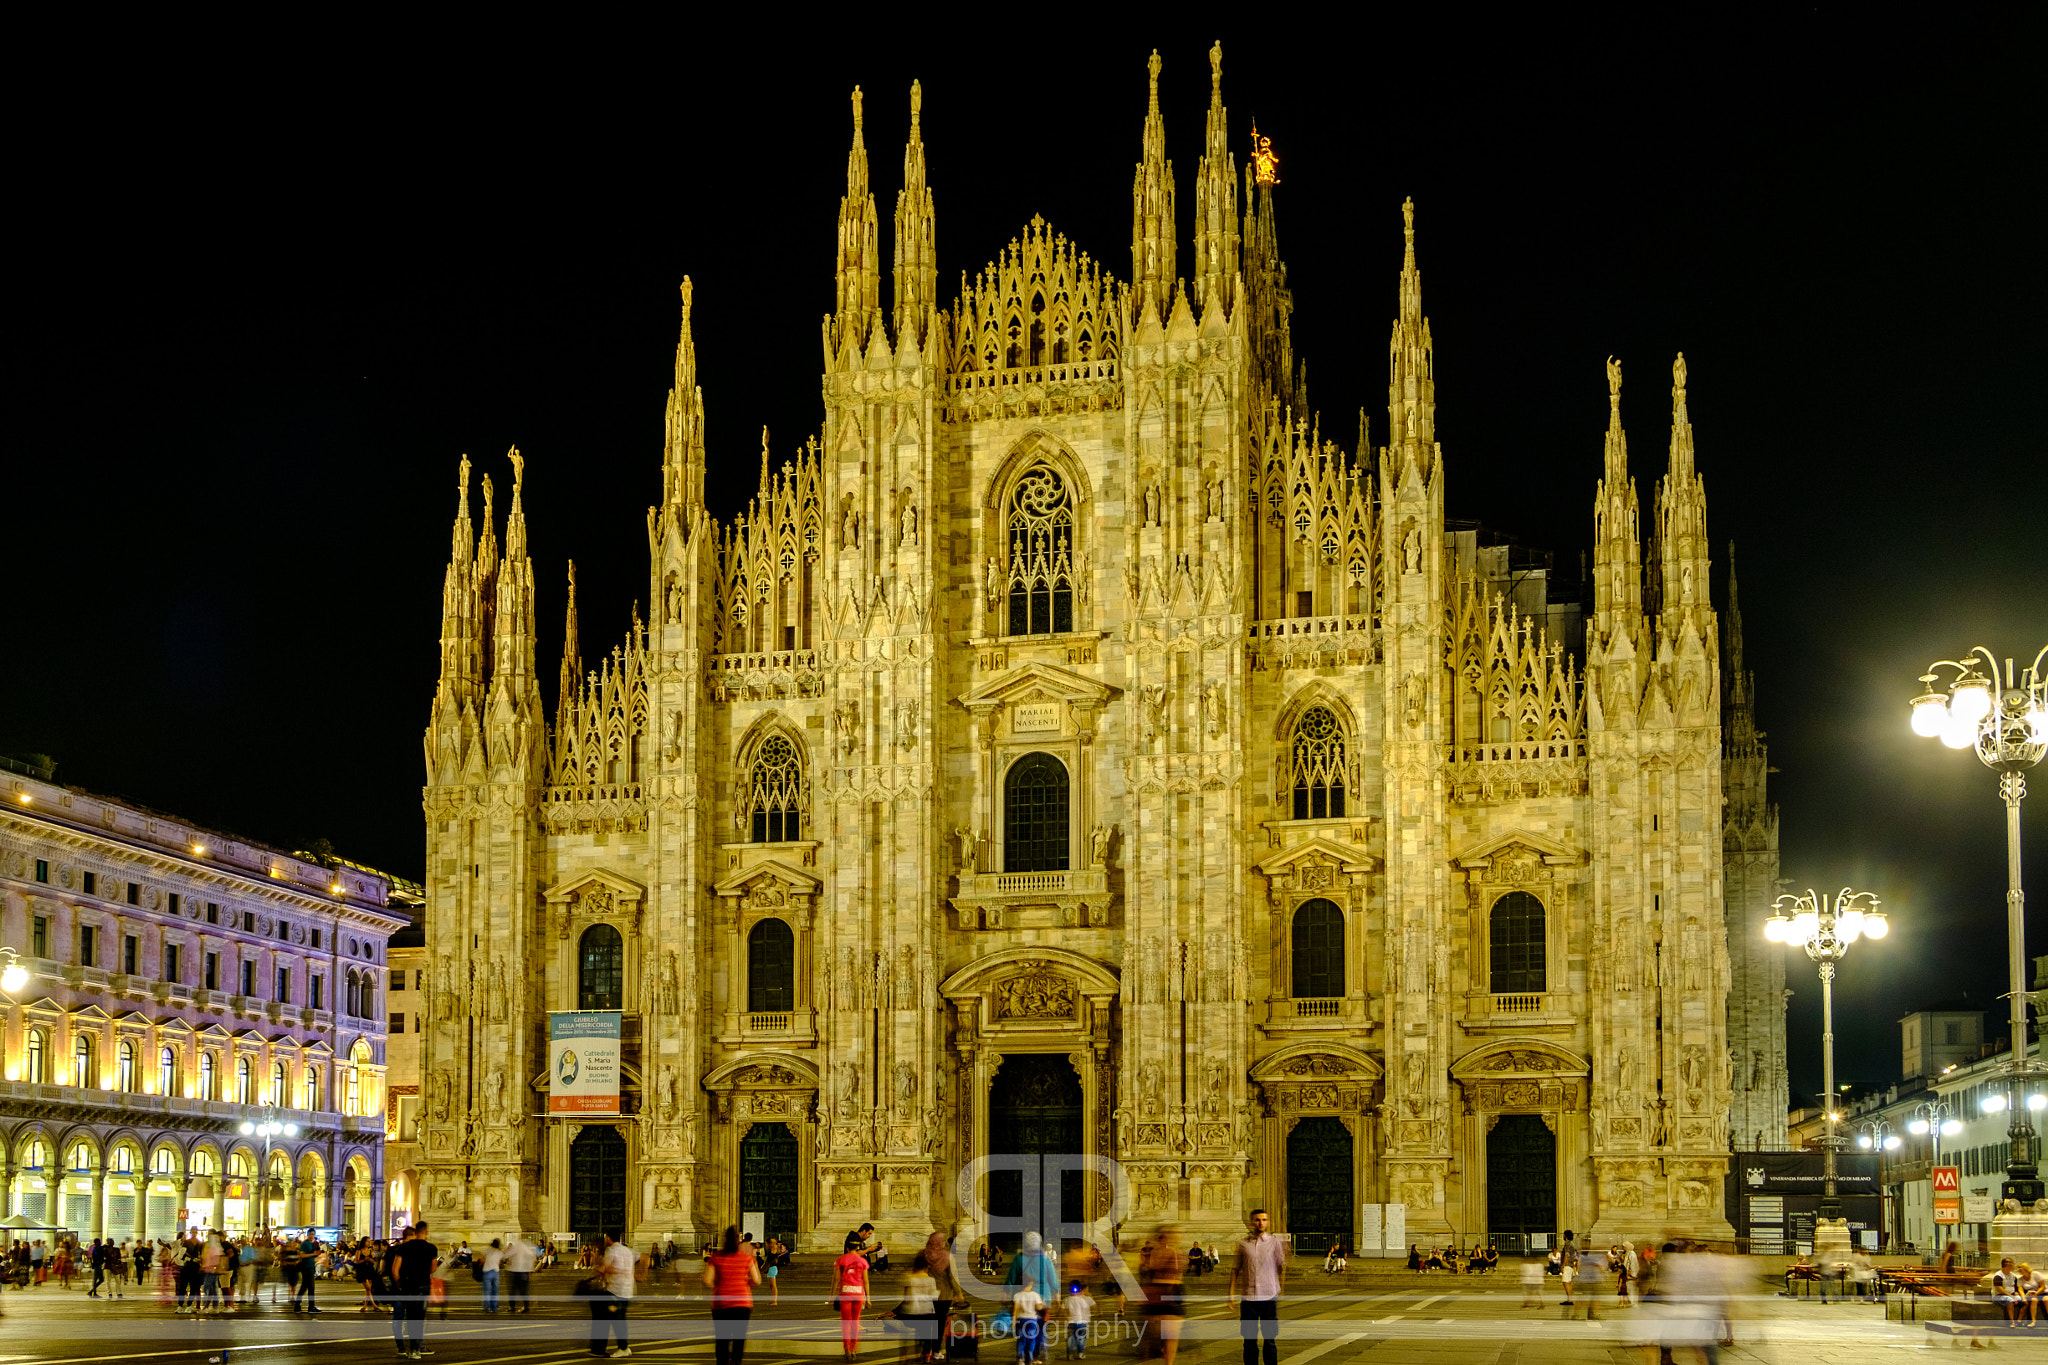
{"x":99,"y":1203}
{"x":220,"y":1197}
{"x":142,"y":1200}
{"x":288,"y":1189}
{"x":7,"y":1175}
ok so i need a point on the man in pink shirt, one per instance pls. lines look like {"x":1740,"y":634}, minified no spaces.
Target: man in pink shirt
{"x":1256,"y":1278}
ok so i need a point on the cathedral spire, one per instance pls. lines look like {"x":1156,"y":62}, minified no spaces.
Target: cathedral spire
{"x":1681,"y":530}
{"x":682,"y":482}
{"x":1617,"y":538}
{"x":917,"y":271}
{"x":458,"y":602}
{"x":483,"y":579}
{"x":856,"y":305}
{"x":512,"y":643}
{"x":1152,"y":222}
{"x":572,"y":660}
{"x":1740,"y":717}
{"x":1272,"y":303}
{"x":1411,"y":367}
{"x":1216,"y":260}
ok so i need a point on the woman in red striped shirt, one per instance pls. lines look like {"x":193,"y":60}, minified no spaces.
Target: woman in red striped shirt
{"x":730,"y":1273}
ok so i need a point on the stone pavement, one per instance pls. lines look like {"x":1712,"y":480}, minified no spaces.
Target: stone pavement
{"x":1426,"y":1319}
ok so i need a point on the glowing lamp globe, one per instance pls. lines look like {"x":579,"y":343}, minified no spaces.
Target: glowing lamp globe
{"x":1864,"y":1142}
{"x":2037,"y":1102}
{"x":1993,"y":1104}
{"x":1891,"y":1144}
{"x":1972,"y":699}
{"x":1958,"y":733}
{"x":1917,"y":1126}
{"x":1876,"y":926}
{"x":14,"y":978}
{"x":1774,"y":928}
{"x":1804,"y":926}
{"x":2037,"y":724}
{"x":291,"y":1130}
{"x":1952,"y":1127}
{"x":247,"y":1129}
{"x":1930,"y":713}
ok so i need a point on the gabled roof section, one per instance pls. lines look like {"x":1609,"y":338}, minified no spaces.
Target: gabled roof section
{"x":1550,"y":850}
{"x":1052,"y":684}
{"x":1348,"y":857}
{"x":795,"y":878}
{"x":623,"y":887}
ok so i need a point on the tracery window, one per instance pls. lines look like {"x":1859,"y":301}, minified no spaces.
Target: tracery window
{"x":1316,"y":766}
{"x":600,"y":969}
{"x":775,"y":793}
{"x":771,"y":968}
{"x":1318,"y":965}
{"x":1040,"y":524}
{"x":1035,"y":829}
{"x":1515,"y":933}
{"x":36,"y":1058}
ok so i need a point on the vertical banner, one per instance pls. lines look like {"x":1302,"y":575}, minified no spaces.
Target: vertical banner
{"x":1948,"y":1193}
{"x":583,"y":1061}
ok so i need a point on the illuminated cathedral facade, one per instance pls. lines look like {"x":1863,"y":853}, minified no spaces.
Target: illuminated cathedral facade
{"x":1073,"y":749}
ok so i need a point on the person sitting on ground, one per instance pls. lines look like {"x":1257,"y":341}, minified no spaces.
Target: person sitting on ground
{"x":2005,"y":1290}
{"x":1415,"y":1258}
{"x":1336,"y":1262}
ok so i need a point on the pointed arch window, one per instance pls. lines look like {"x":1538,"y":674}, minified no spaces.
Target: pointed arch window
{"x":1318,"y":958}
{"x":1316,"y":761}
{"x":1515,"y":937}
{"x":774,"y":800}
{"x":1040,"y":527}
{"x":1035,"y":831}
{"x":771,"y":968}
{"x":600,"y":969}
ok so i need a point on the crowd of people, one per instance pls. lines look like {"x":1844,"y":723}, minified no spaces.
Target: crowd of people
{"x":1478,"y":1261}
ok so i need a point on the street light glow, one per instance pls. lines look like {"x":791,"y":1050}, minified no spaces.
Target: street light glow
{"x":1917,"y":1126}
{"x":13,"y":978}
{"x":1992,"y":1104}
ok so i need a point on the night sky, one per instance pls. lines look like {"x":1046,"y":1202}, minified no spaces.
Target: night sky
{"x":260,"y":316}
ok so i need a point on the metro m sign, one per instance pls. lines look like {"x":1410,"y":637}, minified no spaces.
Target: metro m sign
{"x":1948,"y":1193}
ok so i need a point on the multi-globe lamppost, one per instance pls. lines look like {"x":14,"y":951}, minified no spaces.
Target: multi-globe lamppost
{"x":1878,"y":1135}
{"x":2004,"y":717}
{"x":1825,"y":929}
{"x":269,"y":1128}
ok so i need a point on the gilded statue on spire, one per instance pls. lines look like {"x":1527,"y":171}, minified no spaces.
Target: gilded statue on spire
{"x":1678,"y":376}
{"x":1265,"y":164}
{"x":1614,"y":381}
{"x":518,"y":470}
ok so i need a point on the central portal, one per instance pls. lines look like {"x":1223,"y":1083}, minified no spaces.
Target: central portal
{"x":1319,"y":1183}
{"x":1034,"y":1112}
{"x":1521,"y":1178}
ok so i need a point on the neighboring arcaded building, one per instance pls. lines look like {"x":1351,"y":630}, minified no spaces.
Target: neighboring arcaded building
{"x":1073,"y":749}
{"x":184,"y":983}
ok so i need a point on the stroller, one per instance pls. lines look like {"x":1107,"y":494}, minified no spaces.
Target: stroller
{"x":963,"y":1334}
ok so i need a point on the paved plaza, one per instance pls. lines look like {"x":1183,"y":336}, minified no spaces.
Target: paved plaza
{"x":1381,"y":1316}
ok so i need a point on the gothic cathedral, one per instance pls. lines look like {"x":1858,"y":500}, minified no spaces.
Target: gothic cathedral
{"x":1073,"y":749}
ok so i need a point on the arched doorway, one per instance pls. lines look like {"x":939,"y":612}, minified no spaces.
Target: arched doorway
{"x":769,"y":1181}
{"x":1319,"y":1182}
{"x":1034,"y":1111}
{"x":1521,"y":1178}
{"x":597,"y":1183}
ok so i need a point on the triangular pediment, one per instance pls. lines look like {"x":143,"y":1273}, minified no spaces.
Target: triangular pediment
{"x":91,"y":1014}
{"x":1549,"y":850}
{"x":793,"y":879}
{"x":622,"y":888}
{"x":1322,"y":848}
{"x":1045,"y":680}
{"x":215,"y":1033}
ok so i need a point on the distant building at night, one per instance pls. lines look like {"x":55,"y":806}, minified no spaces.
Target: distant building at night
{"x":1073,"y":749}
{"x":181,"y":983}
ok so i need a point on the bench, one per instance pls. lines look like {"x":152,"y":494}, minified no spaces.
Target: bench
{"x":1916,"y":1283}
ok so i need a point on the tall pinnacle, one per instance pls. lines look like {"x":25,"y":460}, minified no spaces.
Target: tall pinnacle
{"x":857,"y":307}
{"x":917,"y":271}
{"x":1152,"y":223}
{"x":1216,"y":259}
{"x":682,"y":476}
{"x":1681,"y":530}
{"x":572,"y":660}
{"x":513,"y":634}
{"x":1411,"y":367}
{"x":458,"y":603}
{"x":1617,"y":537}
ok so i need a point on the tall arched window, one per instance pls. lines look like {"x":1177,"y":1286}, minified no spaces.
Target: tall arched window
{"x":124,"y":1067}
{"x":352,"y":1092}
{"x":85,"y":1055}
{"x":1515,"y":931}
{"x":771,"y":968}
{"x":1316,"y":766}
{"x":244,"y":1081}
{"x":167,"y":1071}
{"x":774,"y":793}
{"x":1035,"y":815}
{"x":1318,"y":966}
{"x":36,"y":1057}
{"x":366,"y":996}
{"x":280,"y":1085}
{"x":207,"y":1078}
{"x":1039,"y":522}
{"x":600,"y":969}
{"x":312,"y":1089}
{"x":350,"y":996}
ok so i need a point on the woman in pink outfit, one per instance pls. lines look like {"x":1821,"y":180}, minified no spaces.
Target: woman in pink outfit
{"x":850,"y":1273}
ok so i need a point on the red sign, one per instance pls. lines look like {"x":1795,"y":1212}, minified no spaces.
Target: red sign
{"x":1948,"y":1193}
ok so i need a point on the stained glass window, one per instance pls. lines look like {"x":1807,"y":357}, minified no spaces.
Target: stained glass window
{"x":1316,"y":763}
{"x":1041,"y":542}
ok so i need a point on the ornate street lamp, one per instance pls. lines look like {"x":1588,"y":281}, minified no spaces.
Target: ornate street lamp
{"x":13,"y":976}
{"x":1825,"y":930}
{"x":1937,"y":1119}
{"x":2004,"y":717}
{"x":270,"y":1127}
{"x":1878,"y":1135}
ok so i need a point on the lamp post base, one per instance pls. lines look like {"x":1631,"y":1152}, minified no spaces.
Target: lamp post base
{"x":2022,"y":1236}
{"x":1830,"y":1241}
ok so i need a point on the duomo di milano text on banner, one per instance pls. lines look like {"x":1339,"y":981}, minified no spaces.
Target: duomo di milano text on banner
{"x":1072,"y":749}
